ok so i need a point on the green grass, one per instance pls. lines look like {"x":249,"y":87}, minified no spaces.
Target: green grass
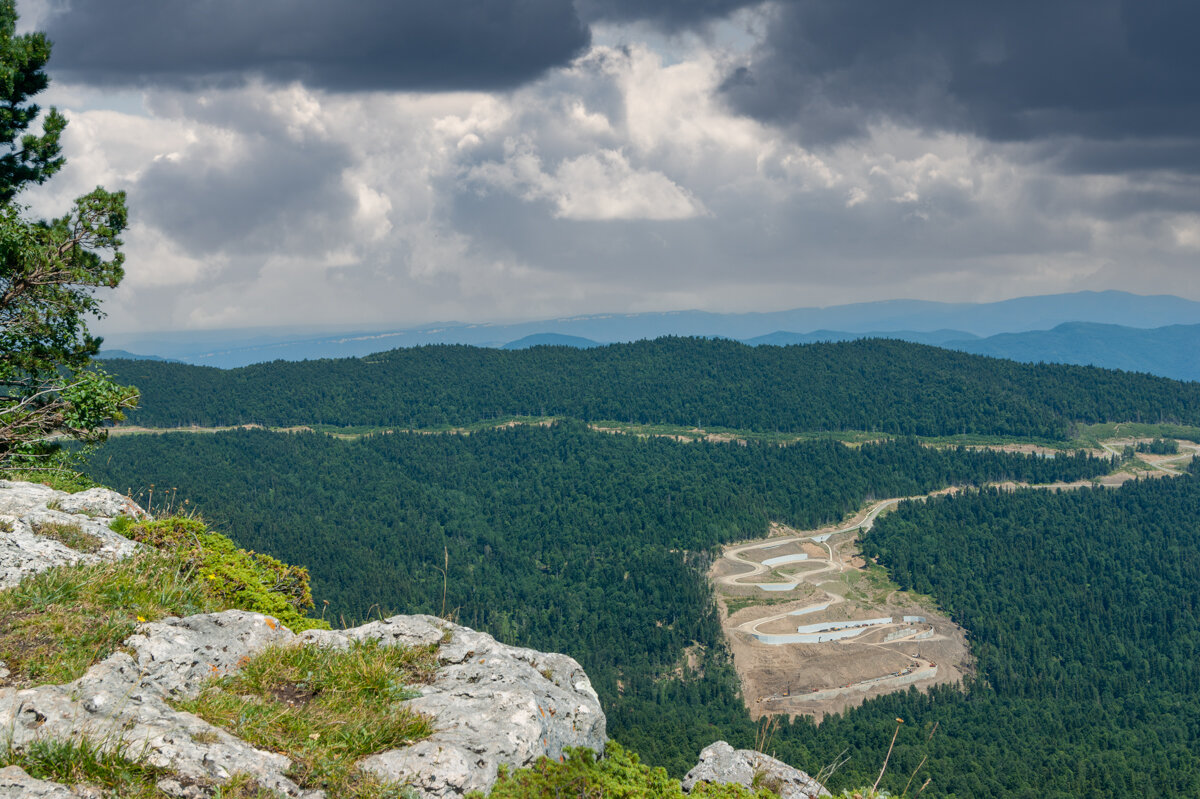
{"x":697,"y":434}
{"x":1092,"y":435}
{"x":68,"y":534}
{"x":620,"y":775}
{"x":114,"y":770}
{"x":234,"y":577}
{"x":55,"y":624}
{"x":60,"y":478}
{"x":325,"y":708}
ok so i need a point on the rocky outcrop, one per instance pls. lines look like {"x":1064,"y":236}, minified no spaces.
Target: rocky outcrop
{"x":16,"y":784}
{"x":720,"y":763}
{"x":490,"y":703}
{"x":28,"y":511}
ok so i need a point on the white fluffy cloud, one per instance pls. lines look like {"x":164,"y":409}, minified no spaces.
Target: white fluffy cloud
{"x":600,"y":185}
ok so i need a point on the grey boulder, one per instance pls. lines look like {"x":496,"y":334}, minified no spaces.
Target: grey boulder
{"x":721,"y":764}
{"x":491,"y":704}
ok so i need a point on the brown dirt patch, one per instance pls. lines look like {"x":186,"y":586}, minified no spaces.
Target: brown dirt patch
{"x":293,"y":695}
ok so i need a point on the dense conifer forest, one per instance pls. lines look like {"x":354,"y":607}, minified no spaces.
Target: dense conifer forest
{"x":876,"y":385}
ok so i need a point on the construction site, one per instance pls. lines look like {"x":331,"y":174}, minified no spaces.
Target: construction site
{"x":814,"y":631}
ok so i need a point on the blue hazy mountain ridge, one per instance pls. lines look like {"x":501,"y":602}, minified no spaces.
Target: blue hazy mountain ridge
{"x":550,"y":340}
{"x":132,"y":356}
{"x":934,"y":338}
{"x":230,"y":348}
{"x":1172,"y":351}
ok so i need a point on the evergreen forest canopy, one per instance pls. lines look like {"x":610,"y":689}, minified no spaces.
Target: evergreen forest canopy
{"x":564,"y":538}
{"x":877,"y":385}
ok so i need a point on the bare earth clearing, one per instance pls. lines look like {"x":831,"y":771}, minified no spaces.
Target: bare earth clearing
{"x":814,"y":631}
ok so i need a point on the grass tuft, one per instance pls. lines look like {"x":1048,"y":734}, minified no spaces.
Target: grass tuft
{"x":69,"y":535}
{"x":325,"y":708}
{"x":55,"y":624}
{"x":84,"y":762}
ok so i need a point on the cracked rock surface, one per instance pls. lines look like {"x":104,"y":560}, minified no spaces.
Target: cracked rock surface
{"x":27,"y":507}
{"x":491,"y":704}
{"x":721,"y":764}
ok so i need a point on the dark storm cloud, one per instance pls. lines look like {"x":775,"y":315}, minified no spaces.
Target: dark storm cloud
{"x":668,"y":14}
{"x":1021,"y":70}
{"x":275,"y":196}
{"x":418,"y":45}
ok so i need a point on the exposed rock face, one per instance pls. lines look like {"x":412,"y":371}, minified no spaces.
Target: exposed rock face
{"x":721,"y":763}
{"x":15,"y":784}
{"x":491,"y":703}
{"x":121,"y":701}
{"x":26,"y":508}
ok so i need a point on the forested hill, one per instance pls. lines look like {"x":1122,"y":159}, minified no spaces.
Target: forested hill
{"x":879,"y":385}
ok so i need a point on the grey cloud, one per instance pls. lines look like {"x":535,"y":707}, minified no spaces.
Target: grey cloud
{"x":668,"y":14}
{"x":276,"y":196}
{"x":360,"y":45}
{"x":1025,"y":70}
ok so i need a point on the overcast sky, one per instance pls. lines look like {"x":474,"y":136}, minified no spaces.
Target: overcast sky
{"x":395,"y":162}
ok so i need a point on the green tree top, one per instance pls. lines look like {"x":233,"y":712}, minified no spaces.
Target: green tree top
{"x":49,"y":272}
{"x":27,"y":157}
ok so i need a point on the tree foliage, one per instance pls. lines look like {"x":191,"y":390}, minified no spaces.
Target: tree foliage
{"x":49,"y":273}
{"x":887,"y":386}
{"x":26,"y":157}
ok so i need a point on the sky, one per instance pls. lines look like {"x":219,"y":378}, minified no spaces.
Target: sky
{"x":388,"y":163}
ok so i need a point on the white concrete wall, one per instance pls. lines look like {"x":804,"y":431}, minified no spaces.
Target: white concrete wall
{"x":784,"y":559}
{"x":825,"y":626}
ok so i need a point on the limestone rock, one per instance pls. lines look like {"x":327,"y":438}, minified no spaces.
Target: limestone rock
{"x":26,"y":508}
{"x":491,"y":704}
{"x":15,"y":784}
{"x":120,"y":702}
{"x":720,"y":763}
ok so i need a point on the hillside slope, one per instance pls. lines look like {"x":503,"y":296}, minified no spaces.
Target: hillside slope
{"x":877,"y":385}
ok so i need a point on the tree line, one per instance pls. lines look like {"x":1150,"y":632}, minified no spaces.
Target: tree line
{"x":889,"y":386}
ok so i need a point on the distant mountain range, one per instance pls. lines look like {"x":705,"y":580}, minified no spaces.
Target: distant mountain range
{"x":1156,"y":334}
{"x":1171,"y":351}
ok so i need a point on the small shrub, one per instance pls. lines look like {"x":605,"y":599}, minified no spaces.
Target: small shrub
{"x":69,"y":535}
{"x":120,"y":525}
{"x":234,"y":577}
{"x":619,"y":775}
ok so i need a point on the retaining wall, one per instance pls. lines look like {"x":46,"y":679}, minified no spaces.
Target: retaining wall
{"x":778,"y":561}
